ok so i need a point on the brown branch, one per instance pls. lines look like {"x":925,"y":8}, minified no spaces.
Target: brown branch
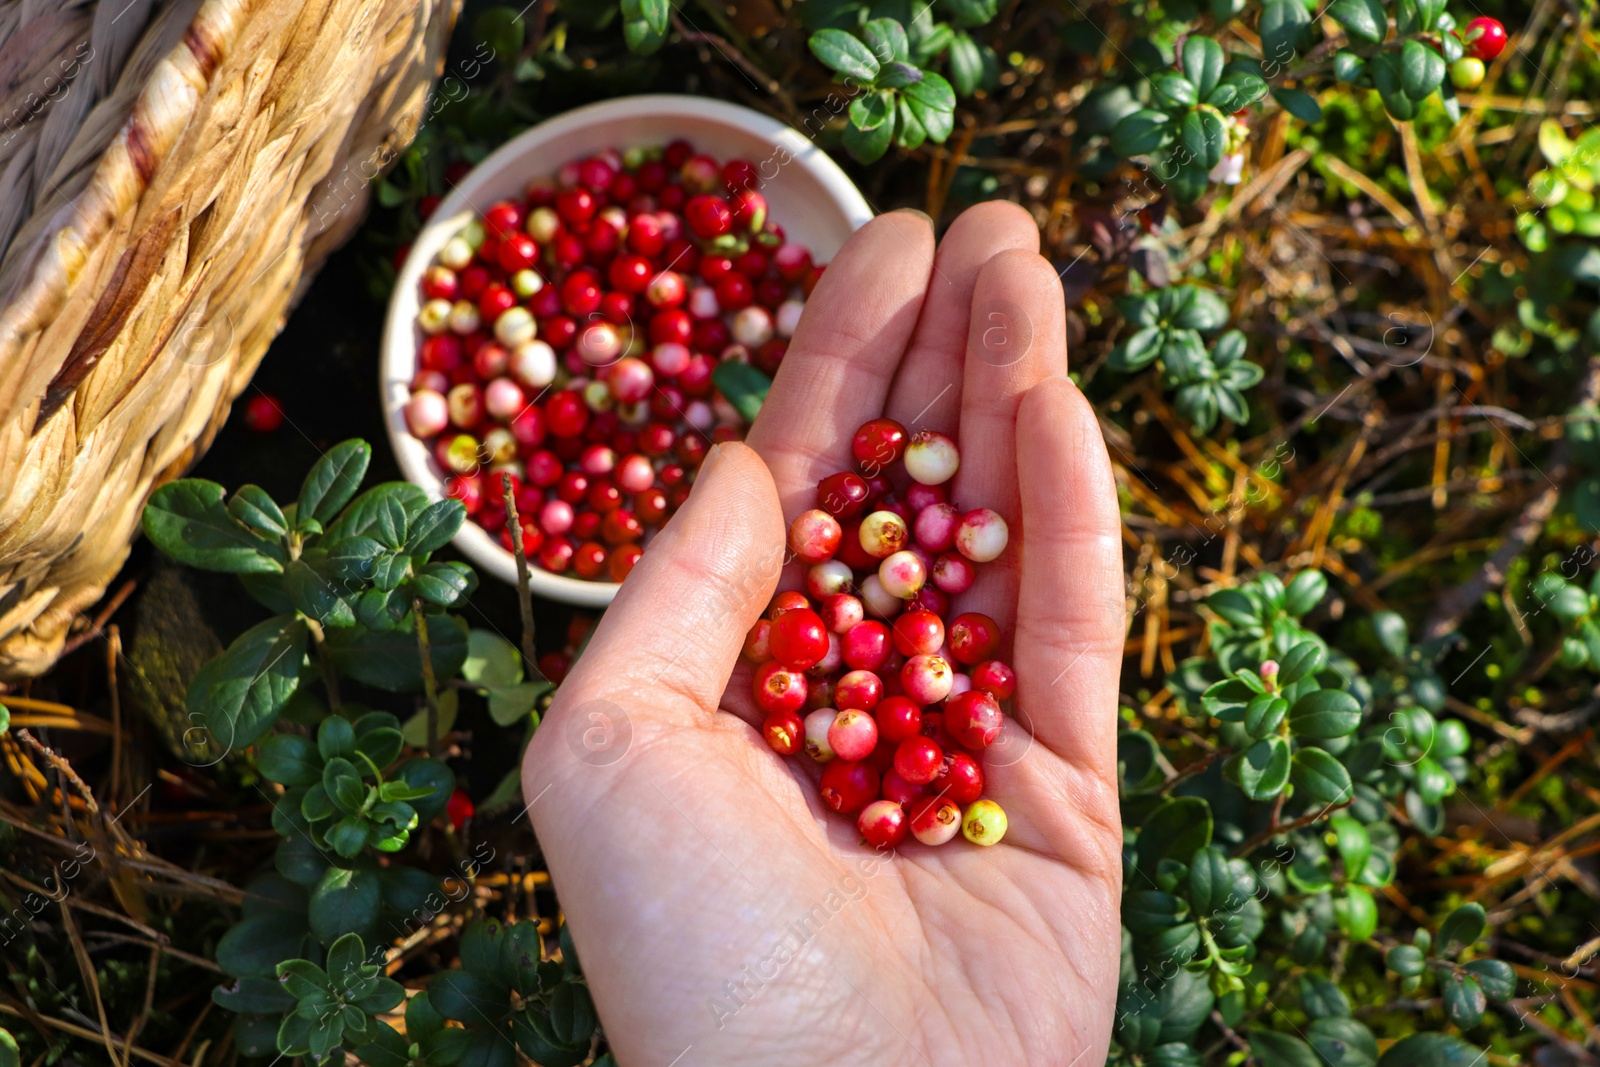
{"x":524,"y":591}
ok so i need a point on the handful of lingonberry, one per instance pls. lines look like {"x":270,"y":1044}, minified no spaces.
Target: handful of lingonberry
{"x":901,"y":697}
{"x":572,"y":339}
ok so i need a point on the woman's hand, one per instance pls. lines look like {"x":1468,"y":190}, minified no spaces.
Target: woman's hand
{"x":723,"y":916}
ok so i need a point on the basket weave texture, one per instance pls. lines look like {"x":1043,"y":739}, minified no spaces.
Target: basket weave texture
{"x":171,"y":171}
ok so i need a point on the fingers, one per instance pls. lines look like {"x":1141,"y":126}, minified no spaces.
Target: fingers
{"x":837,"y":371}
{"x":670,"y":640}
{"x":927,"y":387}
{"x":1071,"y":606}
{"x":1017,"y":337}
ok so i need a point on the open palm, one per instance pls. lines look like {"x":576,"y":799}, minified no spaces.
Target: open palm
{"x":722,"y":915}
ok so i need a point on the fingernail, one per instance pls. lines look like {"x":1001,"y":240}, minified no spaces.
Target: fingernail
{"x":918,"y":212}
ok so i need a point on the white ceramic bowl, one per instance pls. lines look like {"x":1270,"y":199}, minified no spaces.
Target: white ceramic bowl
{"x":807,"y":194}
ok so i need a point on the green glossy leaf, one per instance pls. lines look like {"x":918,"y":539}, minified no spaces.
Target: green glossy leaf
{"x":1356,"y":913}
{"x":966,"y":63}
{"x":1432,"y":1050}
{"x":1364,"y":20}
{"x":434,"y":528}
{"x":188,"y":521}
{"x":1462,"y":927}
{"x":1202,"y":64}
{"x":1353,"y":843}
{"x":1304,"y":592}
{"x":933,"y":101}
{"x":1299,"y":103}
{"x":1320,"y":777}
{"x":1325,"y":714}
{"x":745,"y":387}
{"x":1495,"y":977}
{"x":1341,"y":1042}
{"x":868,"y":111}
{"x":1272,"y":1049}
{"x":289,"y":759}
{"x":1464,"y":1001}
{"x":845,"y":53}
{"x":1422,"y":70}
{"x":1177,"y":827}
{"x":391,"y":660}
{"x":1141,"y":133}
{"x":1322,"y":999}
{"x":333,"y":480}
{"x":887,"y":39}
{"x":345,"y":901}
{"x":1202,"y":135}
{"x":1263,"y":769}
{"x":236,"y":697}
{"x":254,"y":508}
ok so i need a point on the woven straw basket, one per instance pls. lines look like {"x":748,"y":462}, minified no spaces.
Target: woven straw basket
{"x":170,"y":172}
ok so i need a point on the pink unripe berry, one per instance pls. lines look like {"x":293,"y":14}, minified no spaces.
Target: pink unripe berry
{"x":599,"y":343}
{"x":635,"y":473}
{"x":515,"y":326}
{"x":787,"y":319}
{"x":829,"y":578}
{"x":534,"y":364}
{"x":630,"y":380}
{"x":752,"y":326}
{"x":883,"y":824}
{"x":982,"y":535}
{"x":853,"y":734}
{"x":841,"y":612}
{"x":670,"y":358}
{"x":776,"y":688}
{"x":935,"y":820}
{"x":878,"y":600}
{"x":847,"y":787}
{"x":465,"y":402}
{"x":503,"y":398}
{"x":984,"y":823}
{"x":931,"y":457}
{"x":861,"y":690}
{"x":902,"y":574}
{"x":831,"y":660}
{"x":784,"y":732}
{"x":866,"y":645}
{"x":883,"y":533}
{"x":499,"y":446}
{"x":555,"y":518}
{"x":953,"y":574}
{"x":935,"y":527}
{"x":427,"y":413}
{"x":927,"y":679}
{"x":919,"y":497}
{"x":703,"y":303}
{"x":597,"y":460}
{"x":918,"y":759}
{"x":995,"y":678}
{"x":814,"y":536}
{"x":818,"y":725}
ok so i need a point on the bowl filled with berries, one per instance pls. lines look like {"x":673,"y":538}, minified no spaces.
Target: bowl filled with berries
{"x":588,"y":311}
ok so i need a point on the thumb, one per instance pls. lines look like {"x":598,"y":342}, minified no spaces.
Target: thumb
{"x":668,"y":643}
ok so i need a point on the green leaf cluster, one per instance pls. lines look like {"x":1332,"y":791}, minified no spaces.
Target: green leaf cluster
{"x":1168,"y":329}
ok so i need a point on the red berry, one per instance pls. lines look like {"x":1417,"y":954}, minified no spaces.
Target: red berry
{"x":841,"y":612}
{"x":883,"y":824}
{"x":787,"y":600}
{"x":776,"y":688}
{"x":262,"y":413}
{"x":708,"y":216}
{"x":556,"y":556}
{"x":848,"y":787}
{"x":898,"y":718}
{"x":995,"y":678}
{"x":576,"y":205}
{"x":740,"y":174}
{"x":974,"y":637}
{"x":784,"y":732}
{"x":590,"y":560}
{"x":935,"y":820}
{"x":799,"y":640}
{"x":566,"y":414}
{"x":503,"y":219}
{"x":1485,"y":37}
{"x":866,"y":645}
{"x":899,"y":790}
{"x":757,"y":643}
{"x":878,"y":443}
{"x":458,"y":809}
{"x":973,"y":719}
{"x":960,"y":779}
{"x":518,"y":252}
{"x":861,"y":690}
{"x":676,"y":153}
{"x":814,"y":536}
{"x":918,"y":760}
{"x":918,"y":633}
